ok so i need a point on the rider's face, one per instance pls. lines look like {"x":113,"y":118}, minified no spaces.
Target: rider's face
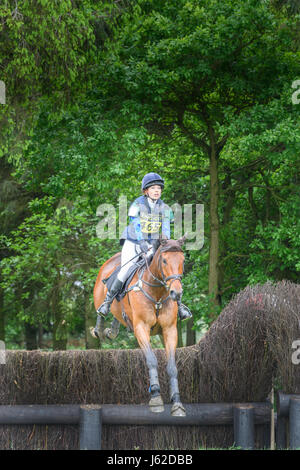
{"x":154,"y":191}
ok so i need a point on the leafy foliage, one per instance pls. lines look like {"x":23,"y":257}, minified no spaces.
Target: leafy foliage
{"x":100,"y":93}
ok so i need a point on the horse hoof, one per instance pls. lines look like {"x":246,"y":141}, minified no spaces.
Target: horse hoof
{"x":109,"y":334}
{"x":178,"y":410}
{"x":93,"y":332}
{"x":97,"y":334}
{"x":156,"y":404}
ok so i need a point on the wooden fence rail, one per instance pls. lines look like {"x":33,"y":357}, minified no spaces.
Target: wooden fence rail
{"x":204,"y":414}
{"x":90,"y":418}
{"x":243,"y":417}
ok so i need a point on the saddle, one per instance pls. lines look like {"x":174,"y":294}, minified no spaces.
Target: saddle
{"x":131,"y":272}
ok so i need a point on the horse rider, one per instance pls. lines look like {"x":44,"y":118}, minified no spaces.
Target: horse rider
{"x":149,"y":217}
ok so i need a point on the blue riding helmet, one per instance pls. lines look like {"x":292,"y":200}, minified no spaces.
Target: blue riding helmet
{"x":150,"y":179}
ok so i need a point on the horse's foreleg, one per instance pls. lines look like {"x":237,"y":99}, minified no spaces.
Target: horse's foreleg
{"x":170,"y":339}
{"x":155,"y":403}
{"x":142,"y":334}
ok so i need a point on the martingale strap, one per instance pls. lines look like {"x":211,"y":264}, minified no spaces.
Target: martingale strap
{"x":138,"y":286}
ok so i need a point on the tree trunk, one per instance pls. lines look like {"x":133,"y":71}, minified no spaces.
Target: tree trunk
{"x":30,"y":337}
{"x":213,"y":276}
{"x":59,"y":325}
{"x":190,"y":333}
{"x":179,"y":332}
{"x":224,"y":249}
{"x":40,"y":336}
{"x":2,"y":316}
{"x":59,"y":332}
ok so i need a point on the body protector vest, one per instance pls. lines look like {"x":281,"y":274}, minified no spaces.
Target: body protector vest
{"x":148,"y":220}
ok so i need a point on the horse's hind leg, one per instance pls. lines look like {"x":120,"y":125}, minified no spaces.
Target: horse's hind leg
{"x":113,"y":331}
{"x":97,"y":332}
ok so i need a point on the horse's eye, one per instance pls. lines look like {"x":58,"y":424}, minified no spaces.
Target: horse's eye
{"x":164,"y":261}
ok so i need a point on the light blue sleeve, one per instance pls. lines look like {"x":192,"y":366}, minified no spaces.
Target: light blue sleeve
{"x":135,"y":221}
{"x":168,"y":218}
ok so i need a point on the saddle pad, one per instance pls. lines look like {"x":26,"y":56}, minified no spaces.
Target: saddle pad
{"x":131,"y":272}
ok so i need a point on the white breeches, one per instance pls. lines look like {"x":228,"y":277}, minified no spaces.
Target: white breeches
{"x":129,"y":250}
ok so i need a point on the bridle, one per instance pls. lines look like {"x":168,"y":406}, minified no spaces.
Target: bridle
{"x":163,"y":281}
{"x":138,"y":286}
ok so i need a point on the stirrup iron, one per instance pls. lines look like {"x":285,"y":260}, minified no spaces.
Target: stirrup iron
{"x":184,"y":312}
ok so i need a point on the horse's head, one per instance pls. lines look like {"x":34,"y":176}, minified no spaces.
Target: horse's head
{"x":170,"y":261}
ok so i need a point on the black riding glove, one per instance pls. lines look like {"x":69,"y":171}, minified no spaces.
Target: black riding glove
{"x":144,"y":246}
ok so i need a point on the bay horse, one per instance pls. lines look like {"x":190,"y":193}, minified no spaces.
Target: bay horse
{"x":149,"y":308}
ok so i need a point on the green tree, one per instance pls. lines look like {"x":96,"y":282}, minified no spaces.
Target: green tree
{"x":45,"y":50}
{"x":190,"y":69}
{"x":199,"y":93}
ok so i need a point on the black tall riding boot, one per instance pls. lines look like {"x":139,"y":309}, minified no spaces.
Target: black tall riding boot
{"x":183,"y":311}
{"x":111,"y":294}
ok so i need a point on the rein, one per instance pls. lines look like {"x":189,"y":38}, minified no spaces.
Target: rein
{"x":138,"y":286}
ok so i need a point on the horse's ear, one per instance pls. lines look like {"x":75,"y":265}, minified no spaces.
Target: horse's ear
{"x":181,"y":240}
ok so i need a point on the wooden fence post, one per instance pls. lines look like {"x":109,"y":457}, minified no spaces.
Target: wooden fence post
{"x":295,"y":423}
{"x":281,"y":435}
{"x":90,"y":427}
{"x":243,"y":425}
